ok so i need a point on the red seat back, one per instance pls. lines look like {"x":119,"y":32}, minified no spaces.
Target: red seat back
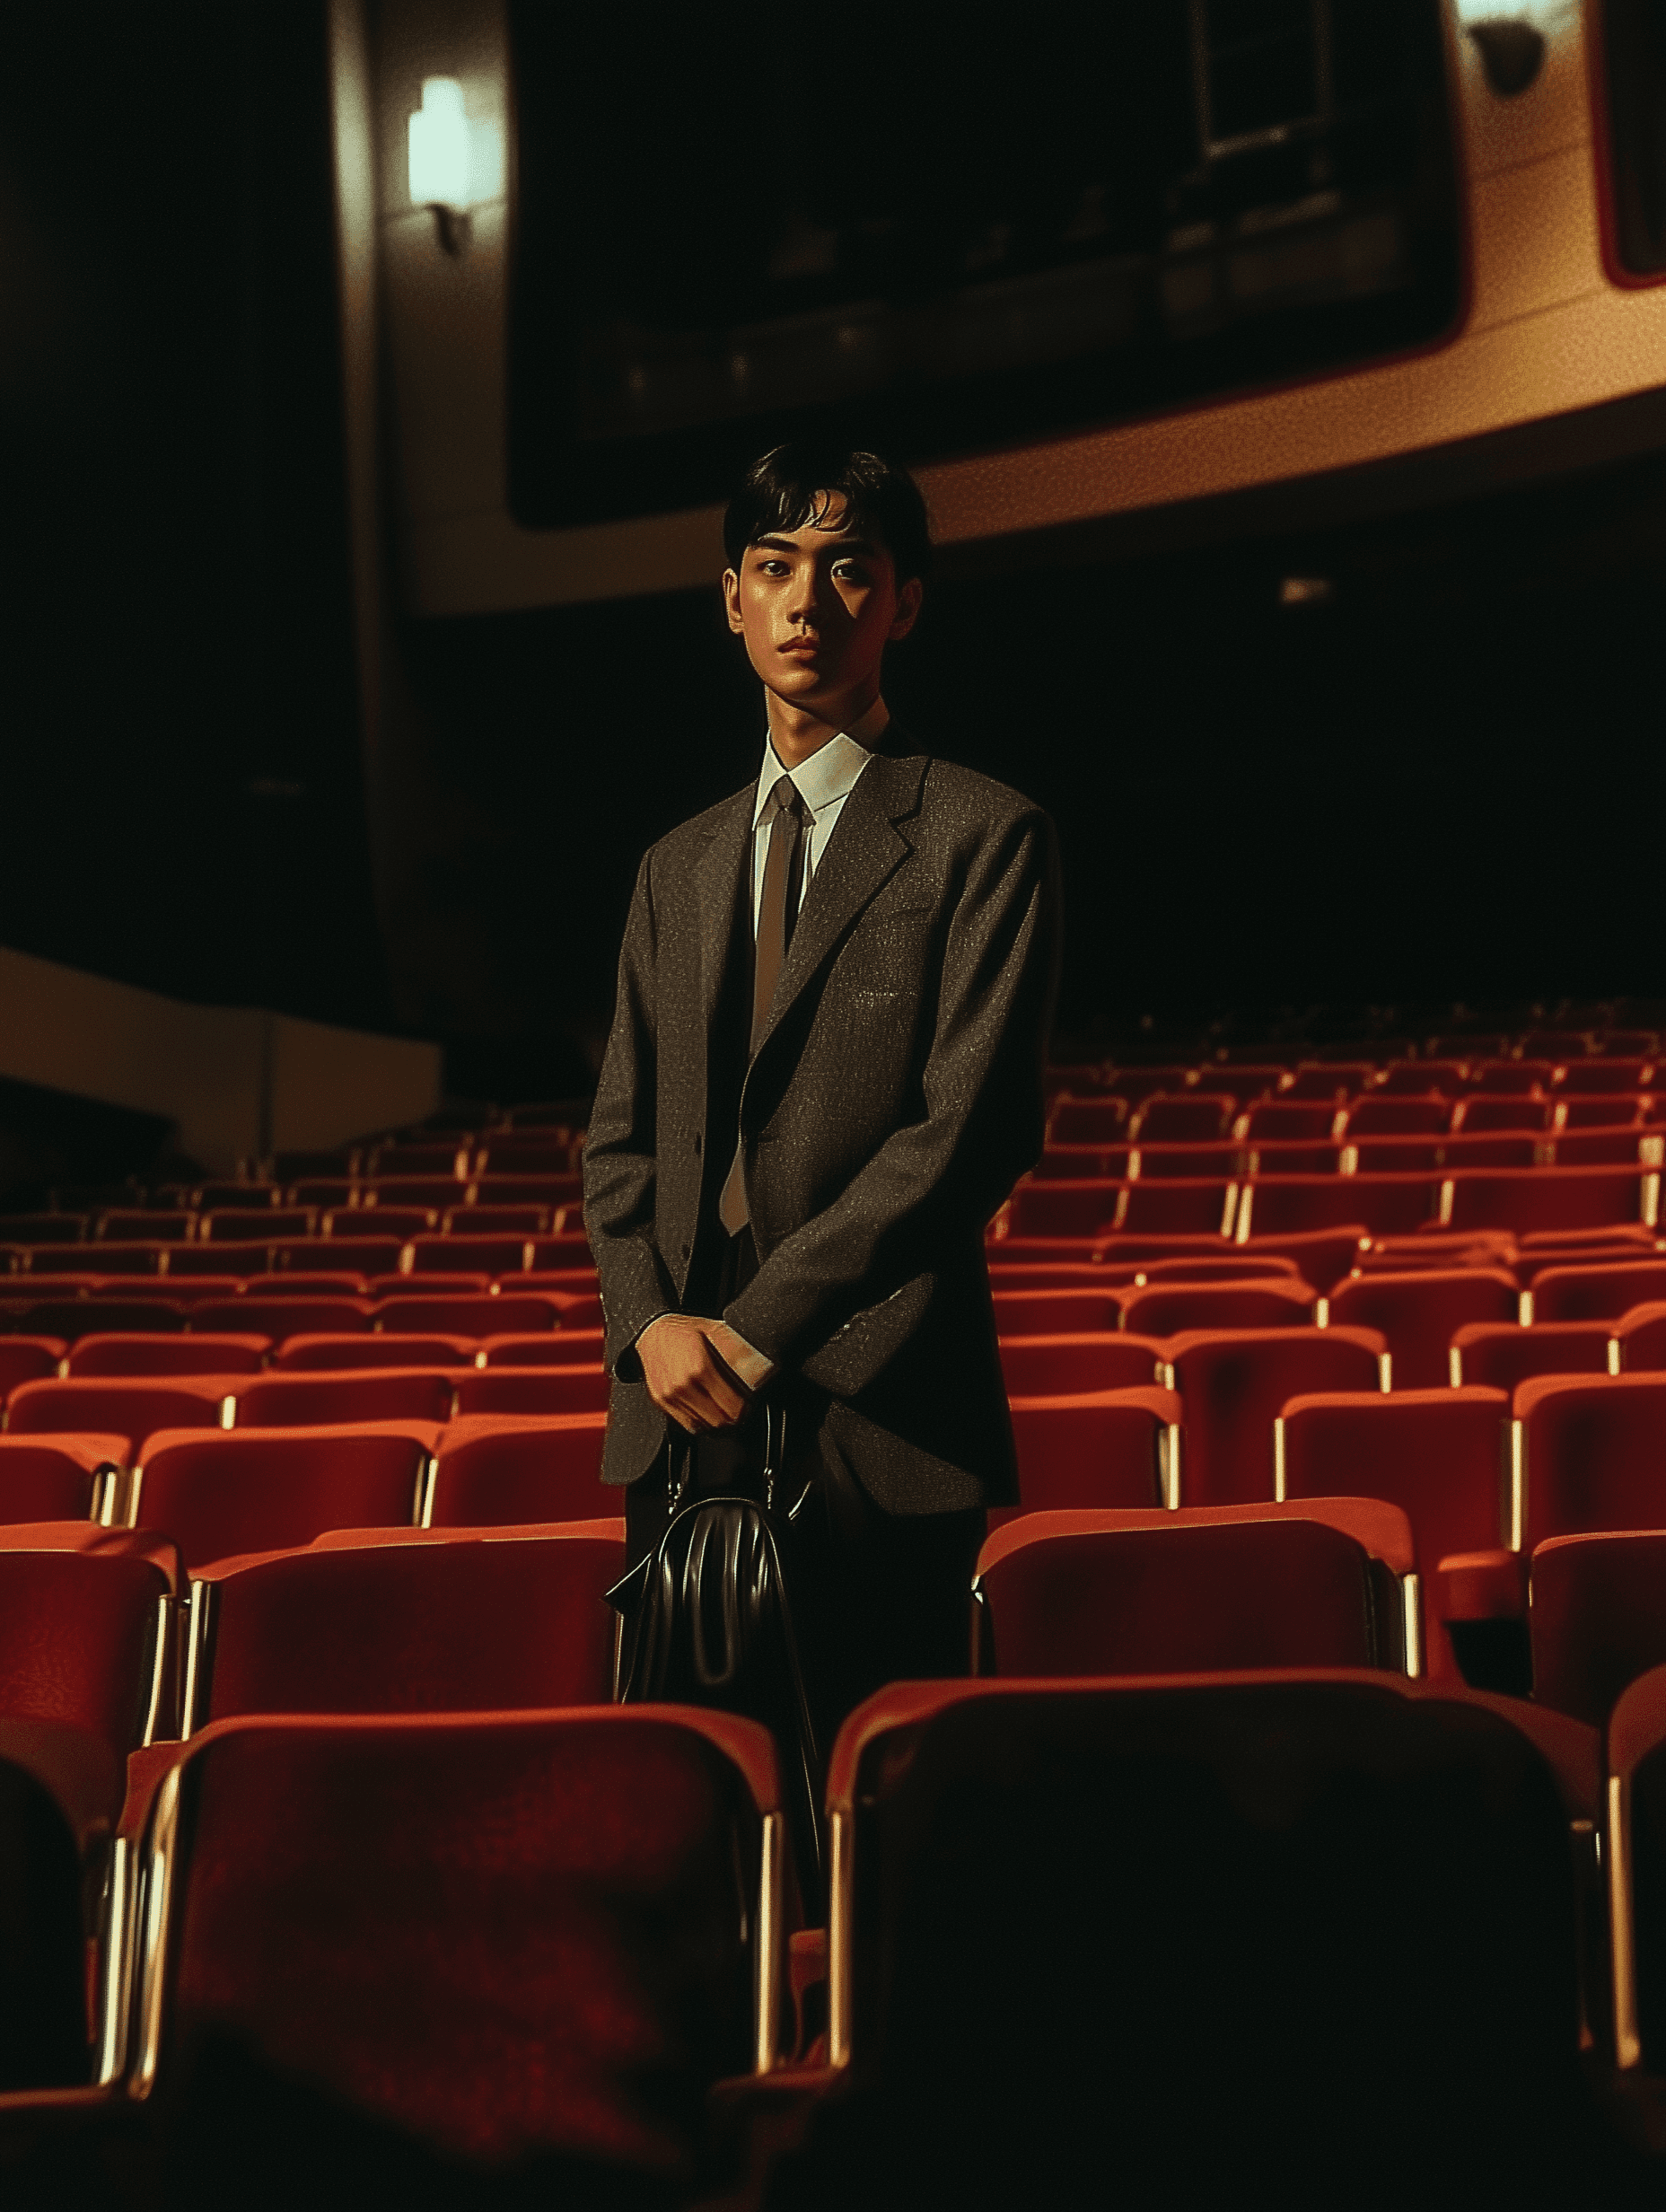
{"x":55,"y":1480}
{"x":534,"y":1390}
{"x":456,"y":1626}
{"x":1588,"y":1454}
{"x":1603,"y":1292}
{"x":1596,"y":1616}
{"x":499,"y":1467}
{"x":1563,"y":1197}
{"x":143,"y":1354}
{"x":379,"y":1394}
{"x":112,"y":1405}
{"x":1166,"y":1309}
{"x":327,"y":1352}
{"x":1232,"y":1386}
{"x":263,"y":1489}
{"x":565,"y":1347}
{"x":1067,"y":1364}
{"x":1440,"y":1455}
{"x":1079,"y":1594}
{"x":1501,"y":1354}
{"x":502,"y":1941}
{"x":78,"y":1637}
{"x":1417,"y":1314}
{"x":1117,"y":1448}
{"x":466,"y":1317}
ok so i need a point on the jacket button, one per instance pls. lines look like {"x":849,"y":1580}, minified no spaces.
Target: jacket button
{"x":685,"y":1251}
{"x":696,"y":1148}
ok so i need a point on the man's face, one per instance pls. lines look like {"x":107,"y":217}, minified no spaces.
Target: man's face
{"x":817,"y":607}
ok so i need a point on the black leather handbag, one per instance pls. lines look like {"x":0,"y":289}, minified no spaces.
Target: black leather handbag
{"x":707,"y":1618}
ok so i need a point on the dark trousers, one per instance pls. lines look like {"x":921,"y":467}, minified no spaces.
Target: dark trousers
{"x":876,"y":1597}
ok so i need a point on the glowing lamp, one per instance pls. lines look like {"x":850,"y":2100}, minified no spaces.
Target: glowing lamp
{"x":454,"y":164}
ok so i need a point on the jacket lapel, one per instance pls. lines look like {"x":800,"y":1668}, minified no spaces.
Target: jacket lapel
{"x":864,"y":852}
{"x":726,"y":851}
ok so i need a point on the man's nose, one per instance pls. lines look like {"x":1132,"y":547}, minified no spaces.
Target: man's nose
{"x":809,"y":595}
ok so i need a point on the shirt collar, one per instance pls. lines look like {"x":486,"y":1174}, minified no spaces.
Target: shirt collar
{"x":831,"y":772}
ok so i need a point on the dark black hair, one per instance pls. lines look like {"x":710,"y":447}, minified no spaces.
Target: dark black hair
{"x":782,"y":492}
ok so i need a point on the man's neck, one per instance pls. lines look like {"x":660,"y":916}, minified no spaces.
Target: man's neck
{"x":797,"y":733}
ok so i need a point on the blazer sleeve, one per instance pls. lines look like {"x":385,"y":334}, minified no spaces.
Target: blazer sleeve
{"x":619,"y":1148}
{"x":934,"y":1183}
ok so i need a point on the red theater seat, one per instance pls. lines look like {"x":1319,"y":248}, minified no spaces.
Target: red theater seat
{"x":1417,"y":1314}
{"x":1056,"y":1312}
{"x":534,"y":1390}
{"x":1501,"y":1355}
{"x":1072,"y":1365}
{"x":1336,"y":1080}
{"x":1117,"y":1447}
{"x":1064,"y":1209}
{"x":1292,"y":1120}
{"x":1379,"y":1115}
{"x":474,"y":1317}
{"x":1087,"y":1120}
{"x":1589,"y":1453}
{"x":1186,"y":1118}
{"x":459,"y":1286}
{"x":84,"y":1635}
{"x":432,"y":1193}
{"x":1177,"y":1207}
{"x":1166,"y":1309}
{"x":354,"y":1255}
{"x":265,"y":1489}
{"x":581,"y":1347}
{"x":1603,"y":1292}
{"x":1596,"y":1613}
{"x":481,"y":1255}
{"x":141,"y":1354}
{"x":519,"y":1221}
{"x":73,"y":1318}
{"x":444,"y":1158}
{"x":135,"y":1225}
{"x":1484,"y":1115}
{"x":1570,"y":1197}
{"x":1394,"y":1864}
{"x":282,"y":1317}
{"x":499,"y":1467}
{"x":1637,"y":1854}
{"x":110,"y":1405}
{"x":1107,"y":1593}
{"x":1383,"y":1204}
{"x":332,"y":1354}
{"x":1439,"y":1455}
{"x":257,"y":1226}
{"x":60,"y":1479}
{"x":1233,"y":1385}
{"x":350,"y":1223}
{"x":461,"y":1623}
{"x":27,"y":1359}
{"x":297,"y":1400}
{"x":479,"y":1946}
{"x":1637,"y":1340}
{"x":116,"y":1263}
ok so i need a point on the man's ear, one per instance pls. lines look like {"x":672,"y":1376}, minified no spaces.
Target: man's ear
{"x":732,"y":602}
{"x":908,"y":608}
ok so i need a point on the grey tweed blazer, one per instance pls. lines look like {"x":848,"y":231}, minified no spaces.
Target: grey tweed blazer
{"x":893,"y":1100}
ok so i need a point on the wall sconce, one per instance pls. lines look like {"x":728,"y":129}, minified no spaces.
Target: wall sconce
{"x":454,"y":164}
{"x":1510,"y":36}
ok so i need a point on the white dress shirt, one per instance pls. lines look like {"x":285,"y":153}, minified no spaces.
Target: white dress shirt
{"x":825,"y":781}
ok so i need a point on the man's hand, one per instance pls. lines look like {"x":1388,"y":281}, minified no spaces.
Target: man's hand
{"x":699,"y":1372}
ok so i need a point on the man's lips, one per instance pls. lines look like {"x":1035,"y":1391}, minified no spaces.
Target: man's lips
{"x":801,"y":648}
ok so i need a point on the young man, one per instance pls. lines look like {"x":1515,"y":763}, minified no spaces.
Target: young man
{"x":824,"y":1076}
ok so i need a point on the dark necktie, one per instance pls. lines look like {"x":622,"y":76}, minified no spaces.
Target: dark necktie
{"x":777,"y":910}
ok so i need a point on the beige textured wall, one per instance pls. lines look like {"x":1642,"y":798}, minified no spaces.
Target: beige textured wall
{"x":207,"y":1068}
